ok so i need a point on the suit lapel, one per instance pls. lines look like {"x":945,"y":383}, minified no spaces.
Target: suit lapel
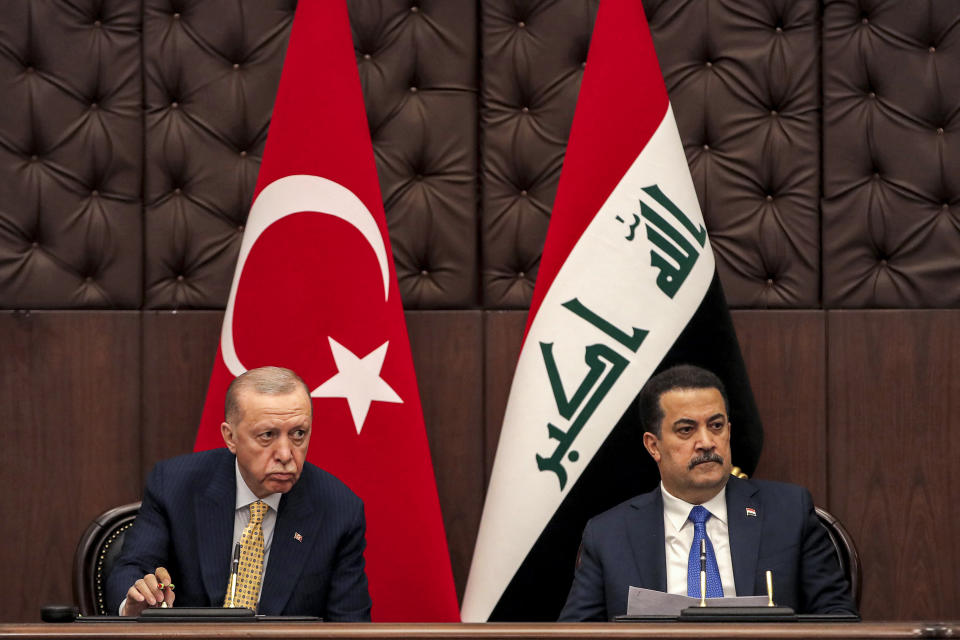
{"x":288,"y":554}
{"x":214,"y":513}
{"x":745,"y":533}
{"x":645,"y":532}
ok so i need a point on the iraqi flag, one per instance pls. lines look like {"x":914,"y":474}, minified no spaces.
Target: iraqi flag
{"x":315,"y":290}
{"x":627,"y":286}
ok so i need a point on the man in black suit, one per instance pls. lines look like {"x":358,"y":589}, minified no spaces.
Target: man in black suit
{"x":750,"y":526}
{"x":196,"y":507}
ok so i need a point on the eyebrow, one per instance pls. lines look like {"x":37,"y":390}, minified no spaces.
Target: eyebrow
{"x":691,"y":422}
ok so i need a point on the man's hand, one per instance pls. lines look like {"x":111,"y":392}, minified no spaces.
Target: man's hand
{"x":152,"y":590}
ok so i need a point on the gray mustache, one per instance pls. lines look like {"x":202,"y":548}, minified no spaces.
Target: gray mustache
{"x":711,"y":456}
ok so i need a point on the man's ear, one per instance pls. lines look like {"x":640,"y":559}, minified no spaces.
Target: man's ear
{"x":652,"y":444}
{"x":229,"y":437}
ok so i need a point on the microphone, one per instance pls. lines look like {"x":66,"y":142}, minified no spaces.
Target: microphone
{"x":703,"y":572}
{"x":234,"y":569}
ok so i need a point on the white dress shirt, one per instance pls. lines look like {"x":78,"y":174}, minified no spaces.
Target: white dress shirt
{"x":678,"y":538}
{"x":241,"y":518}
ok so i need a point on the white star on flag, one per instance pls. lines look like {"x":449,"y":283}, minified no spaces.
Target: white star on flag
{"x":358,"y":381}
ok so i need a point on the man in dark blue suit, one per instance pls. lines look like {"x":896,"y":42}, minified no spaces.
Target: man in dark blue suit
{"x":196,"y":508}
{"x":750,"y":526}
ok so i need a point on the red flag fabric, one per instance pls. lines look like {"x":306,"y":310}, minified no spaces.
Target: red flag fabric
{"x":315,"y":290}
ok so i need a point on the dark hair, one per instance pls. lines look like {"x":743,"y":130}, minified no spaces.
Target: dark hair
{"x":681,"y":376}
{"x":271,"y":381}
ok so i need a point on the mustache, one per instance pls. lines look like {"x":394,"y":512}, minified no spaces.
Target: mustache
{"x":710,"y":456}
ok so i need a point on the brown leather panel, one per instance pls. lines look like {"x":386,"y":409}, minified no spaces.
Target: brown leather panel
{"x":452,"y":399}
{"x":776,"y":346}
{"x":891,"y":212}
{"x":70,"y":393}
{"x":71,"y":143}
{"x":178,"y":353}
{"x":893,"y":389}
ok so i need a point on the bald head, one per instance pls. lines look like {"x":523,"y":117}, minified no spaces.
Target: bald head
{"x":271,"y":381}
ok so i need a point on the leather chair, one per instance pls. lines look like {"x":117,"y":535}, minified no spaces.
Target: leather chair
{"x":98,"y":549}
{"x":846,"y":551}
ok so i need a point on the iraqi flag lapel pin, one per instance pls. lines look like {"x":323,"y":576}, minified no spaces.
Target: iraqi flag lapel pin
{"x":751,"y":512}
{"x":299,"y":538}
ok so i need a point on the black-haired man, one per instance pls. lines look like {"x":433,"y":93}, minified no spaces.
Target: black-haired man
{"x":748,"y":526}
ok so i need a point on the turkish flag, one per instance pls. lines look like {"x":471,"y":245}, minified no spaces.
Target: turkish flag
{"x":315,"y":291}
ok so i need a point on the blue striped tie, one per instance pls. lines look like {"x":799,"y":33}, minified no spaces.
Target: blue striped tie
{"x":699,"y":516}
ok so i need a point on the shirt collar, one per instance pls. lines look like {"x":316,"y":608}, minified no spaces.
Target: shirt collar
{"x":677,"y":511}
{"x":245,"y":496}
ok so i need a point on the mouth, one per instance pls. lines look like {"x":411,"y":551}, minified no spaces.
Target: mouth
{"x":280,"y":477}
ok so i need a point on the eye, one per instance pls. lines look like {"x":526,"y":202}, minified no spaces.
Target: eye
{"x":684,"y":431}
{"x":718,"y":425}
{"x":298,"y":434}
{"x":265,"y":436}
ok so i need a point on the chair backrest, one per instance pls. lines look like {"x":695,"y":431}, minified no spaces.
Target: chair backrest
{"x":98,"y":549}
{"x":846,"y":551}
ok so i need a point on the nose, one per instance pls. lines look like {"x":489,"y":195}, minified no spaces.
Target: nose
{"x":283,"y":451}
{"x":706,"y":440}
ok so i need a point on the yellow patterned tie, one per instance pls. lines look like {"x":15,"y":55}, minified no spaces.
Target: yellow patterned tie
{"x":250,"y":572}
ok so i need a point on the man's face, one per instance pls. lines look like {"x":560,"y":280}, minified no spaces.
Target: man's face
{"x":270,"y":439}
{"x":693,"y":450}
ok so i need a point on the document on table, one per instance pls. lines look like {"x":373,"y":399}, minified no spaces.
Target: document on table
{"x":645,"y":602}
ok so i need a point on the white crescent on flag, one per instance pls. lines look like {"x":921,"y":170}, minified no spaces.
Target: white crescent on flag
{"x":284,"y":197}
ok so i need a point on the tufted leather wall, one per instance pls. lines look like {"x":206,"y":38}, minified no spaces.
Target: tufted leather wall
{"x":743,"y":79}
{"x":131,"y":132}
{"x":211,"y":71}
{"x":418,"y":67}
{"x":891,"y":208}
{"x":534,"y":54}
{"x":71,"y":149}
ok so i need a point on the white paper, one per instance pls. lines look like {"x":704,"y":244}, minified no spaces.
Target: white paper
{"x":645,"y":602}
